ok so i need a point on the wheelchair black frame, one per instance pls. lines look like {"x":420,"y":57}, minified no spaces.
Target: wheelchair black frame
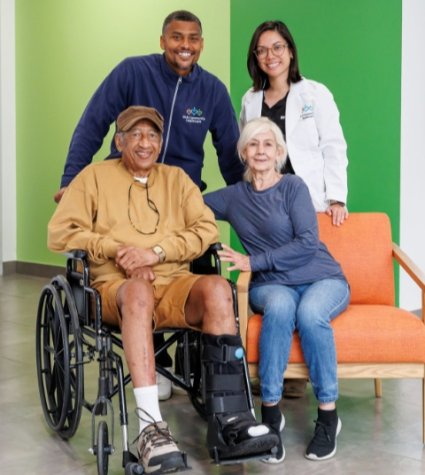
{"x":81,"y":303}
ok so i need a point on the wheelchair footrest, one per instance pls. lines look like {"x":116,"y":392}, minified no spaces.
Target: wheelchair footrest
{"x":232,"y":461}
{"x":134,"y":468}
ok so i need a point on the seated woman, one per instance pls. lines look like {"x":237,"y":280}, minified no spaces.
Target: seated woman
{"x":296,"y":285}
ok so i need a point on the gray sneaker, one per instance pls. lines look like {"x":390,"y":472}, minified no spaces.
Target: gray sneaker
{"x":158,"y":451}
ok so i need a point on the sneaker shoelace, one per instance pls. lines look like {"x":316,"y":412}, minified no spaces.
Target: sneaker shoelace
{"x":159,"y":436}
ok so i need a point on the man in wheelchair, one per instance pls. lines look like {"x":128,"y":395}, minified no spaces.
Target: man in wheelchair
{"x":141,"y":223}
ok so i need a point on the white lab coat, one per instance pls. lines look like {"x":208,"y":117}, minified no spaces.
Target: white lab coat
{"x":314,"y":137}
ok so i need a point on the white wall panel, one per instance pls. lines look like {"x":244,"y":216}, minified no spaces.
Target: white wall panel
{"x":7,"y":132}
{"x":412,"y":163}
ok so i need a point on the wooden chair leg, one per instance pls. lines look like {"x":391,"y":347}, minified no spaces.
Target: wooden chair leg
{"x":423,"y":410}
{"x":378,"y":387}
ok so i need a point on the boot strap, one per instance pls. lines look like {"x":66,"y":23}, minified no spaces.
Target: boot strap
{"x":228,"y":403}
{"x":222,"y":354}
{"x":225,"y":382}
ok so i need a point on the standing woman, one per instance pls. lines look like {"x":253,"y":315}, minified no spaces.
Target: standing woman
{"x":296,"y":284}
{"x":305,"y":112}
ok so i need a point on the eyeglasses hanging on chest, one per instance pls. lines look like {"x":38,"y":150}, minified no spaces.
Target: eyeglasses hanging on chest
{"x":149,"y":220}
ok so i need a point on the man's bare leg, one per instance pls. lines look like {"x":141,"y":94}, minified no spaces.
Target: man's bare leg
{"x":210,"y":306}
{"x":233,"y":432}
{"x":136,"y":303}
{"x":157,"y":449}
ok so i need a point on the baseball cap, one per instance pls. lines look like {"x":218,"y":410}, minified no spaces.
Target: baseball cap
{"x":133,"y":114}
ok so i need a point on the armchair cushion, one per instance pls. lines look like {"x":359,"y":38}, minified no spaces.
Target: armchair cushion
{"x":363,"y":334}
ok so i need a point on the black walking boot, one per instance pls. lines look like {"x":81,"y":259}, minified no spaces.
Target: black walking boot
{"x":233,"y":433}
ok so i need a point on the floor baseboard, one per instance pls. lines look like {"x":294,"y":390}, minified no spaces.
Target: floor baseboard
{"x":29,"y":268}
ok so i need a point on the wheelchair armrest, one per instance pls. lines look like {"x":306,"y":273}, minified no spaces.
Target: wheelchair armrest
{"x":86,"y":298}
{"x":76,"y":254}
{"x":215,"y":247}
{"x":209,"y":263}
{"x":77,"y":266}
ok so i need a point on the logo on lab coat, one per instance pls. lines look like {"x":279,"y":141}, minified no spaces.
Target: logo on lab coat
{"x":307,"y":111}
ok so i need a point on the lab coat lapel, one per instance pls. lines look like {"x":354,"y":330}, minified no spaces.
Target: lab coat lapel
{"x":253,"y":108}
{"x":293,"y":108}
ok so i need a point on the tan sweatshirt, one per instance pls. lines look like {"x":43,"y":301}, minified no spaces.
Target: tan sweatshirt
{"x":104,"y":207}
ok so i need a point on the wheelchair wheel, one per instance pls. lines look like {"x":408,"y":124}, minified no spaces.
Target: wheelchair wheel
{"x":103,"y":448}
{"x":59,"y":358}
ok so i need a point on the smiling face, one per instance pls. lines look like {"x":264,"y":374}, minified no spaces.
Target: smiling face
{"x":262,"y":152}
{"x":274,"y":63}
{"x":140,"y":147}
{"x":182,"y":43}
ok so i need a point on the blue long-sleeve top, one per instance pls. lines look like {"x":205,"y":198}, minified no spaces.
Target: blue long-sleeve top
{"x":278,"y":229}
{"x":191,"y":106}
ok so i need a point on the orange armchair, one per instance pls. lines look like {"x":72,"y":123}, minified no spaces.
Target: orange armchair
{"x":374,"y":338}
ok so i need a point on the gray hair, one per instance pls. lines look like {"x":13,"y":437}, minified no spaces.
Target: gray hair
{"x":259,"y":126}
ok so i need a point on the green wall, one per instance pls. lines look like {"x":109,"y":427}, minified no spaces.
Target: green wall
{"x":64,"y":49}
{"x":355,"y":49}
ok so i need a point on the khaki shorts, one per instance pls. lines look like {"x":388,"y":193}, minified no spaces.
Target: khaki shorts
{"x":170,"y":301}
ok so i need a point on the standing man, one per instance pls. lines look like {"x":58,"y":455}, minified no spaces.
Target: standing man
{"x":140,"y":239}
{"x":192,"y":101}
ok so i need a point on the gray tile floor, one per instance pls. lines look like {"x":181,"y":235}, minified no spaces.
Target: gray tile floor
{"x":378,"y":436}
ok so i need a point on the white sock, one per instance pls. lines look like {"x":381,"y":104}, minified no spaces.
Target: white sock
{"x":147,"y":400}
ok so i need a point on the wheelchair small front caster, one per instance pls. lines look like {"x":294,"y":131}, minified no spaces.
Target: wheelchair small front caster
{"x":133,"y":468}
{"x":103,"y":449}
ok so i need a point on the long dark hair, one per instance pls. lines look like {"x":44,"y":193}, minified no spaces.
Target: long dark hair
{"x":259,"y":78}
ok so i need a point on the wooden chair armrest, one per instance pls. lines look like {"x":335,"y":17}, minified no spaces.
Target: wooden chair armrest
{"x":242,"y":286}
{"x":412,"y":270}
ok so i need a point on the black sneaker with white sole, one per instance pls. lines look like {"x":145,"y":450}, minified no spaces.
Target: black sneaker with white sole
{"x":323,"y":443}
{"x":272,"y":416}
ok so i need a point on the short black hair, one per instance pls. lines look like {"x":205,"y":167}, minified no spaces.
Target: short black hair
{"x":181,"y":15}
{"x":259,"y":77}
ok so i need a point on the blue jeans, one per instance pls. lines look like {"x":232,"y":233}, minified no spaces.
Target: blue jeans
{"x":309,"y":309}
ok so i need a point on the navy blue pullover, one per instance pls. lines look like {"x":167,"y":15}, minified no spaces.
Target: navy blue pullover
{"x":191,"y":106}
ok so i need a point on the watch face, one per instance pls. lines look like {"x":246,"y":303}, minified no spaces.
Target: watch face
{"x":159,"y":252}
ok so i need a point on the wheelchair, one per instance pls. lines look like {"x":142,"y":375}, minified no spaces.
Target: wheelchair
{"x":70,"y":334}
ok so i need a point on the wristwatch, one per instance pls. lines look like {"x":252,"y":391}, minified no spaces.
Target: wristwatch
{"x":335,"y":202}
{"x":159,"y":252}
